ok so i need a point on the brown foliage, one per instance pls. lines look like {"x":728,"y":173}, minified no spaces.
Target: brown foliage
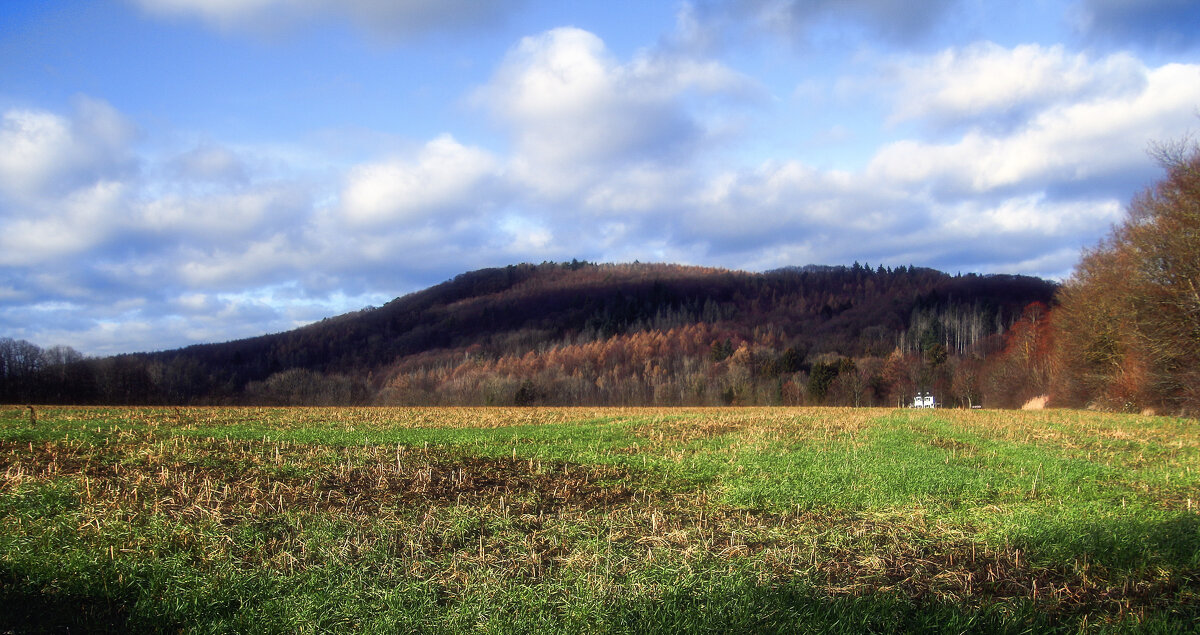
{"x":1022,"y":370}
{"x":1130,"y":328}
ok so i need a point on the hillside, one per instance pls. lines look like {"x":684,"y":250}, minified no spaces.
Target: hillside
{"x":518,"y":326}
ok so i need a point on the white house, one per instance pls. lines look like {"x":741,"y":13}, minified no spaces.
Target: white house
{"x":924,"y":400}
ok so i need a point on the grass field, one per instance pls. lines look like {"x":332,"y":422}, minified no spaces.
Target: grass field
{"x":597,"y":520}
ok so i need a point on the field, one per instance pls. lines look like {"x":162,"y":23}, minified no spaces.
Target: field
{"x":597,"y":520}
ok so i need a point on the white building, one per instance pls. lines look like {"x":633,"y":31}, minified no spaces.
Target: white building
{"x":924,"y":400}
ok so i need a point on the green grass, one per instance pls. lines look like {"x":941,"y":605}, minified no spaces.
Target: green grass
{"x":597,"y":520}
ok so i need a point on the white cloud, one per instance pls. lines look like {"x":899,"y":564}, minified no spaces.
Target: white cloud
{"x":75,"y":223}
{"x":32,"y":143}
{"x":242,"y":265}
{"x":445,"y":177}
{"x":44,"y":152}
{"x":641,"y":189}
{"x":70,"y":199}
{"x":525,"y":235}
{"x":224,"y":216}
{"x":1031,"y":213}
{"x":785,"y":200}
{"x":1095,"y":138}
{"x":992,"y":200}
{"x":196,"y":303}
{"x":985,"y":80}
{"x":574,"y":110}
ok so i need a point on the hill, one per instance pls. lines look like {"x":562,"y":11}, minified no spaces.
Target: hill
{"x":574,"y":332}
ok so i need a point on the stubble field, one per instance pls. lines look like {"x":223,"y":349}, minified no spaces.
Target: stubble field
{"x":597,"y":520}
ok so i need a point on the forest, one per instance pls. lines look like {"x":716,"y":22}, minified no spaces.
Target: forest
{"x":1123,"y":333}
{"x":594,"y":334}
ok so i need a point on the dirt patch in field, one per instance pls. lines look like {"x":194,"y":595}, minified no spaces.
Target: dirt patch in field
{"x":525,"y":486}
{"x":684,"y":431}
{"x":227,"y":480}
{"x":24,"y":460}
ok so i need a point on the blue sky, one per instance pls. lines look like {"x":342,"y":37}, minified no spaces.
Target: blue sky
{"x":183,"y":171}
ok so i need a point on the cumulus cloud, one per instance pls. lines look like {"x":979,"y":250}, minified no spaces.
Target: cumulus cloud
{"x":242,"y":265}
{"x":389,"y":18}
{"x":74,"y":224}
{"x":70,"y":193}
{"x":573,"y":109}
{"x":1093,"y":139}
{"x":62,"y":181}
{"x":446,"y":177}
{"x":782,"y":213}
{"x":794,"y":214}
{"x":211,"y":222}
{"x":42,"y":151}
{"x":985,"y":82}
{"x":1022,"y":198}
{"x":643,"y":188}
{"x":220,"y":217}
{"x":1069,"y":152}
{"x":95,"y":232}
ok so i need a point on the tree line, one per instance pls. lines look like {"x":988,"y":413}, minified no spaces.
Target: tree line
{"x":1128,"y":320}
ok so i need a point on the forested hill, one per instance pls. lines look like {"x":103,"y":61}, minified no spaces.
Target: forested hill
{"x":460,"y":341}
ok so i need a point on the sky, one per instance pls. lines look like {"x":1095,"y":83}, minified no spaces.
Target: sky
{"x":184,"y":171}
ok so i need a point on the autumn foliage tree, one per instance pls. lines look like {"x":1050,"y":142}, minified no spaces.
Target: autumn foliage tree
{"x":1022,"y":370}
{"x":1129,"y":328}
